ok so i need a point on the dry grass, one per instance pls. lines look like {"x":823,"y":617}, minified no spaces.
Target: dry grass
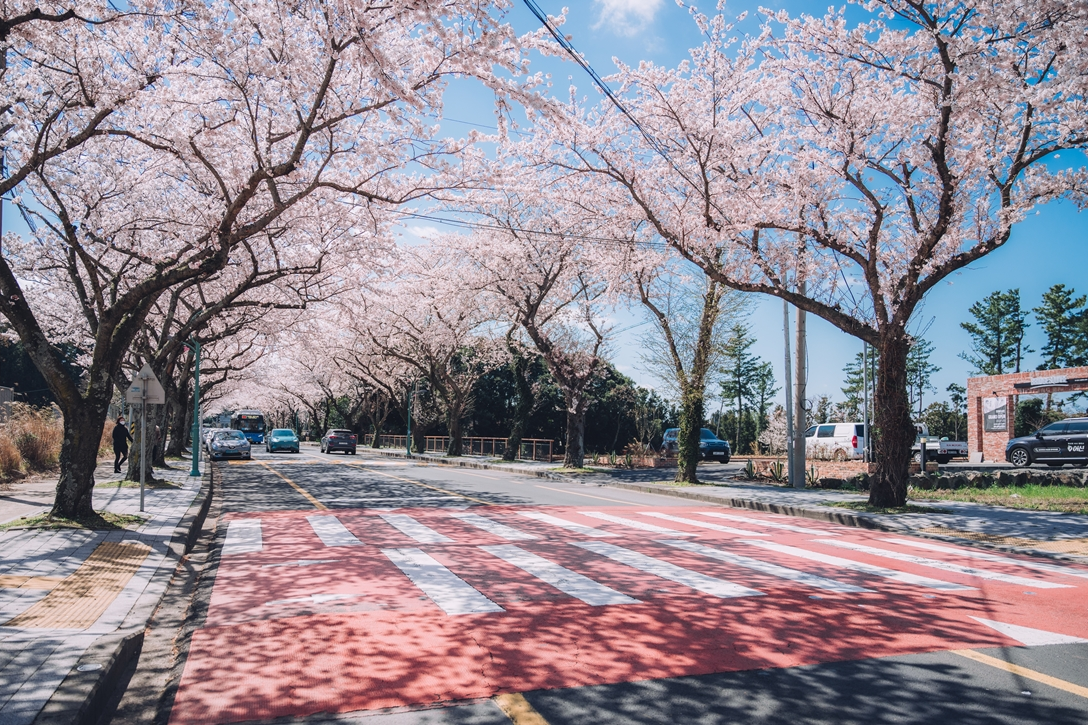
{"x":29,"y":442}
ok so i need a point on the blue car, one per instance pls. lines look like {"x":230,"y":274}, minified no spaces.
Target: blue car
{"x":711,"y":447}
{"x":281,"y":439}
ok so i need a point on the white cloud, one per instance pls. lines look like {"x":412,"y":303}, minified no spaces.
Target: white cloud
{"x":627,"y":17}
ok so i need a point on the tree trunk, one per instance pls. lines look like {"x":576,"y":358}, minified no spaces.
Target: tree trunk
{"x":687,"y":438}
{"x":575,"y":454}
{"x":157,"y":433}
{"x":78,"y":458}
{"x":419,"y":439}
{"x":134,"y":458}
{"x":453,"y":427}
{"x":379,"y":426}
{"x":523,"y":408}
{"x":893,"y":431}
{"x":181,"y":425}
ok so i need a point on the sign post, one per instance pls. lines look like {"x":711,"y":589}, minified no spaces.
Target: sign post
{"x":145,"y":389}
{"x":195,"y":346}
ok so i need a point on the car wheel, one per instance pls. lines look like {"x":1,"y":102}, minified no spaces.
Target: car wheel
{"x":353,"y":451}
{"x":1020,"y":458}
{"x":943,"y":460}
{"x":839,"y":455}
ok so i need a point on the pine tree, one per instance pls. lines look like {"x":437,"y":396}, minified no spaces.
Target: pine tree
{"x":853,"y":388}
{"x":1061,"y":316}
{"x":997,"y":335}
{"x":957,"y":395}
{"x":740,"y":368}
{"x":920,"y":372}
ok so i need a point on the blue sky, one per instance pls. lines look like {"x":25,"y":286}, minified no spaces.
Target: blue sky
{"x":1041,"y":253}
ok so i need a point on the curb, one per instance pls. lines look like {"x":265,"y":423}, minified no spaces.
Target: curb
{"x":845,"y":518}
{"x":473,"y":464}
{"x":81,"y":697}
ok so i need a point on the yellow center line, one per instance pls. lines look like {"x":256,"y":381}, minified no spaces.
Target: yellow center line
{"x":518,"y":709}
{"x":600,"y":498}
{"x":1022,"y":671}
{"x":418,"y":483}
{"x":317,"y":504}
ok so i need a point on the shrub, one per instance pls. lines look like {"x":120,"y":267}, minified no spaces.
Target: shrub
{"x":37,"y":434}
{"x":11,"y":463}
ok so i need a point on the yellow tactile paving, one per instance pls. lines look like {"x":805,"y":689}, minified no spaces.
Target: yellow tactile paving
{"x":11,"y":581}
{"x":1061,"y":546}
{"x":78,"y":601}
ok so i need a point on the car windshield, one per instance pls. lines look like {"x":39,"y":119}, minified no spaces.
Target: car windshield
{"x":230,"y":435}
{"x":339,"y":432}
{"x":283,"y":433}
{"x":707,"y":435}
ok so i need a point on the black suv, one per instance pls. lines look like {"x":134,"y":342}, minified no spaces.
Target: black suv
{"x":339,"y":439}
{"x":1056,"y":444}
{"x":710,"y":445}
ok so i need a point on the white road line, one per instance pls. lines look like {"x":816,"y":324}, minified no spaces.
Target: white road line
{"x":243,"y":537}
{"x":1039,"y":566}
{"x":331,"y":531}
{"x":703,"y":524}
{"x":563,"y":579}
{"x":769,"y":524}
{"x":494,"y":527}
{"x":801,"y":577}
{"x":641,"y":525}
{"x":880,"y":571}
{"x":451,"y":593}
{"x":563,"y":523}
{"x":700,"y":582}
{"x":415,"y":530}
{"x":945,"y":565}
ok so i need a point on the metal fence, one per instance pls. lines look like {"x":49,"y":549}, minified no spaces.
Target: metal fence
{"x":532,"y":449}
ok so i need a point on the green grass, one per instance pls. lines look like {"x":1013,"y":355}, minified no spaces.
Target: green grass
{"x":154,"y":483}
{"x":100,"y":521}
{"x":1065,"y":499}
{"x":908,"y":509}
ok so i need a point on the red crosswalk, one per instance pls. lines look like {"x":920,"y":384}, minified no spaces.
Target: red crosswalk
{"x":383,"y":609}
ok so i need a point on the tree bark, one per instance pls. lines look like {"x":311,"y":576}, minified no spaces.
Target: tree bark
{"x":893,"y":430}
{"x":134,"y":458}
{"x":519,"y":365}
{"x":575,"y":455}
{"x":687,"y":438}
{"x":453,"y":426}
{"x":83,"y":427}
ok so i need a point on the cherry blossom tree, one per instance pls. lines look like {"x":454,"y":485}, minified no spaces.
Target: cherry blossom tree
{"x":848,"y":167}
{"x":266,"y":117}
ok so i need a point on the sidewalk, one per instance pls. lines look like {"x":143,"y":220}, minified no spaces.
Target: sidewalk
{"x":1045,"y":533}
{"x":72,"y":597}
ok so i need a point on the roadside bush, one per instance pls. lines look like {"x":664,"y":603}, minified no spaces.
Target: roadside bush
{"x":11,"y":463}
{"x":105,"y":446}
{"x":36,"y":433}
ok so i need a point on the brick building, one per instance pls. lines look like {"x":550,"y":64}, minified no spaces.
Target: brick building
{"x":990,"y":412}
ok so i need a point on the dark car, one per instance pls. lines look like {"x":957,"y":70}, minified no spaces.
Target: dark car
{"x":1055,"y":445}
{"x":338,"y":439}
{"x":710,"y":445}
{"x":281,"y":439}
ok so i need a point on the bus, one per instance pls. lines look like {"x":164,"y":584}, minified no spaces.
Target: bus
{"x":251,"y":423}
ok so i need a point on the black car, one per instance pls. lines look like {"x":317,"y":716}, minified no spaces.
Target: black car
{"x":710,"y":445}
{"x":1055,"y":445}
{"x":338,"y":439}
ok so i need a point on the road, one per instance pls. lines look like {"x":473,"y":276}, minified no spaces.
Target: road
{"x":365,"y":589}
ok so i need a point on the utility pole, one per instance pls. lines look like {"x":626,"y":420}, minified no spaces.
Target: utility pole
{"x":408,"y":438}
{"x":789,"y":393}
{"x":195,"y":347}
{"x":865,"y":397}
{"x":799,"y":418}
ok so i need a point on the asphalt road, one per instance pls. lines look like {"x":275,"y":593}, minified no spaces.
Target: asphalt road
{"x":364,"y":589}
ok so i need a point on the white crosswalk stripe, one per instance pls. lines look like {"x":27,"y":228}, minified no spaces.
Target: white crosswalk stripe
{"x":565,"y":524}
{"x":769,"y":524}
{"x":703,"y":524}
{"x":451,"y":593}
{"x":841,"y":563}
{"x":640,"y":525}
{"x":494,"y":527}
{"x":1037,"y":565}
{"x":413,"y":529}
{"x":944,"y":565}
{"x":243,"y":537}
{"x":332,"y":531}
{"x":567,"y":581}
{"x":782,"y":572}
{"x":666,"y":570}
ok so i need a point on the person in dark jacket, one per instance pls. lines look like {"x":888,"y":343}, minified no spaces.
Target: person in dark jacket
{"x":121,"y":437}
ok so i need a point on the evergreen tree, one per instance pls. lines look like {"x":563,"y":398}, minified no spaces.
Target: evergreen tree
{"x":957,"y":396}
{"x":740,"y":370}
{"x":763,"y":391}
{"x":853,"y":389}
{"x":920,"y":373}
{"x":997,"y":334}
{"x":1062,"y":317}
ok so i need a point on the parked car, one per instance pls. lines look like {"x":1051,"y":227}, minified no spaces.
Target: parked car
{"x":1055,"y":445}
{"x":710,"y":445}
{"x":838,"y":441}
{"x":208,"y":433}
{"x":942,"y":450}
{"x":229,"y":444}
{"x":281,"y":439}
{"x":338,"y":439}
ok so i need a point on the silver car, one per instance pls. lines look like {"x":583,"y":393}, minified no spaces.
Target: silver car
{"x":229,"y":444}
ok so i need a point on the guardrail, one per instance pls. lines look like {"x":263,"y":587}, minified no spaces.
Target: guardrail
{"x":532,"y":449}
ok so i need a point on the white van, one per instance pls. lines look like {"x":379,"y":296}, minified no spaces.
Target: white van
{"x":837,"y":441}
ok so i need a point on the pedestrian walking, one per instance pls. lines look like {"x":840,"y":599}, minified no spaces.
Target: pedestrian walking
{"x":121,"y":437}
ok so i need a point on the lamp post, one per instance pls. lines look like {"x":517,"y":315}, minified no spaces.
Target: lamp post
{"x":193,"y":345}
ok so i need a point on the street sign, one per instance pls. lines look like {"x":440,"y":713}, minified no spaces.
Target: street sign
{"x":146,"y":378}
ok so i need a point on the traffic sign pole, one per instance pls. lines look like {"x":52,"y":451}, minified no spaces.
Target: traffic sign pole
{"x":143,"y":437}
